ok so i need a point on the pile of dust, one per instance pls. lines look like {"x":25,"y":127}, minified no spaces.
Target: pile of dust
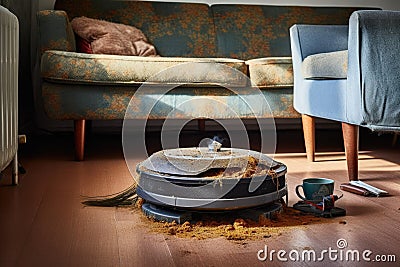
{"x":207,"y":226}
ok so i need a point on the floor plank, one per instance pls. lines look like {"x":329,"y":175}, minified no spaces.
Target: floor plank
{"x":43,"y":222}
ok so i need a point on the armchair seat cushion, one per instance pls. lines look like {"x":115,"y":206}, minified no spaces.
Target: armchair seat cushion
{"x":84,"y":68}
{"x":332,"y":65}
{"x":271,"y":72}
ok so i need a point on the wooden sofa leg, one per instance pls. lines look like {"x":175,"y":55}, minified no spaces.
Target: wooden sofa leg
{"x":350,"y":137}
{"x":309,"y":136}
{"x":79,"y":131}
{"x":201,"y":123}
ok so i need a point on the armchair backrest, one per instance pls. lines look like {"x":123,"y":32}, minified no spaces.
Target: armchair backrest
{"x":315,"y":39}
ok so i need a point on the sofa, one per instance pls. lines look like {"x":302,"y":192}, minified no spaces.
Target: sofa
{"x":251,"y":39}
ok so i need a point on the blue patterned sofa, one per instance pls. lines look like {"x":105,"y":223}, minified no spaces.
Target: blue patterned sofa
{"x":253,"y":39}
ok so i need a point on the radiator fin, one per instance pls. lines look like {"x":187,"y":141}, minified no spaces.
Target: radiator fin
{"x":9,"y":44}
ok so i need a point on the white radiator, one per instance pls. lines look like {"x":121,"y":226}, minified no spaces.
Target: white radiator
{"x":9,"y":45}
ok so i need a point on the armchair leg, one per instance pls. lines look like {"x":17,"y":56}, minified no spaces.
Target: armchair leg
{"x":79,"y":132}
{"x":350,"y":137}
{"x":394,"y":141}
{"x":309,"y":136}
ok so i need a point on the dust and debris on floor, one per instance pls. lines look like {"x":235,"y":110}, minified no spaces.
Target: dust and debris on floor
{"x":234,"y":228}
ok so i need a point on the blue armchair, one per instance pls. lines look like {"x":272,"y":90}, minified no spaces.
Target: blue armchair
{"x":348,"y":73}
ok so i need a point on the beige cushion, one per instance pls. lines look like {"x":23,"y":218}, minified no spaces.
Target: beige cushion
{"x":95,"y":68}
{"x":331,"y":65}
{"x":271,"y":72}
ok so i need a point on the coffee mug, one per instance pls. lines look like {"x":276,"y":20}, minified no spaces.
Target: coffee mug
{"x":315,"y":188}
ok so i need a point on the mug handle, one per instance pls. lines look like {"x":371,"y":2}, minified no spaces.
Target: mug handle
{"x":298,"y":193}
{"x":340,"y":193}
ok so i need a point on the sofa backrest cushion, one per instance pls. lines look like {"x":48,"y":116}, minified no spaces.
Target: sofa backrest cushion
{"x":175,"y":29}
{"x":256,"y":31}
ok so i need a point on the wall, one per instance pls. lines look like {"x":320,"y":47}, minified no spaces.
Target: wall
{"x":384,"y":4}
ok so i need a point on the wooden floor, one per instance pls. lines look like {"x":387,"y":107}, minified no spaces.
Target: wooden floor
{"x":42,"y":222}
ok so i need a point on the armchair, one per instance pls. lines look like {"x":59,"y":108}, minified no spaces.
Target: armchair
{"x":348,"y":73}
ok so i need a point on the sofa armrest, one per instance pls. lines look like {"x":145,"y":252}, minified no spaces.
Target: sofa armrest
{"x":55,"y":31}
{"x":373,"y":95}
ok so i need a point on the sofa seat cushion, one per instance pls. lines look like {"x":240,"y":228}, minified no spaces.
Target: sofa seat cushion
{"x":71,"y":67}
{"x":271,"y":72}
{"x":109,"y":102}
{"x":332,"y":65}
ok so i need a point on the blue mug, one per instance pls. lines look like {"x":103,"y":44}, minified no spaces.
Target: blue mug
{"x":315,"y":189}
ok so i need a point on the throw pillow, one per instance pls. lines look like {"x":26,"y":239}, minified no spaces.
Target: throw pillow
{"x":83,"y":45}
{"x":112,"y":38}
